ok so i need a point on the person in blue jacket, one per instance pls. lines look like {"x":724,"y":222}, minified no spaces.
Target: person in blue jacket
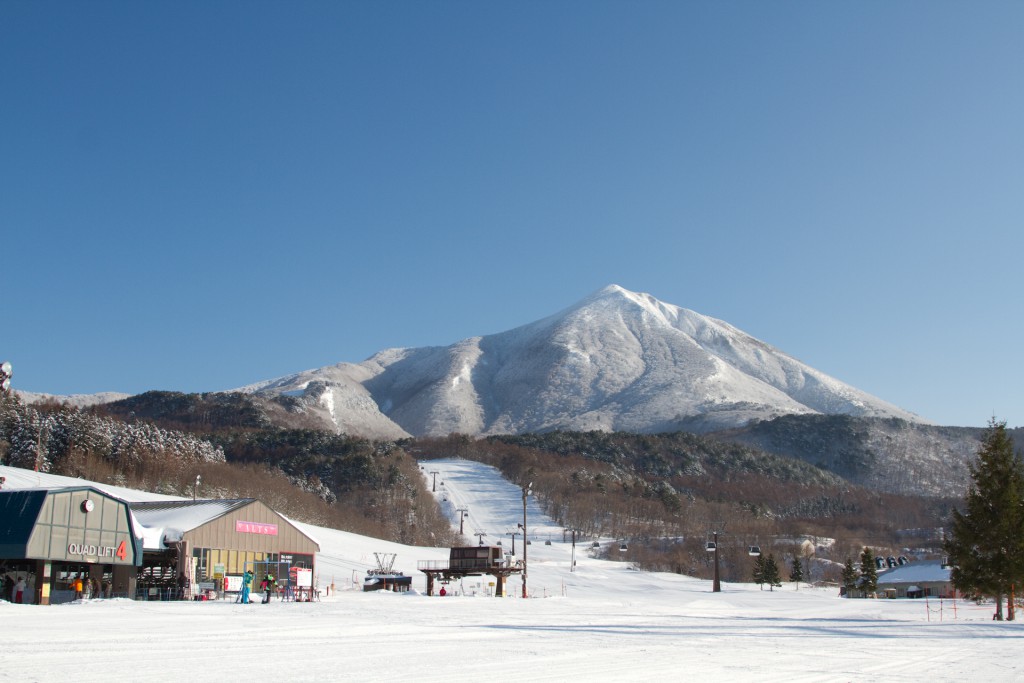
{"x":246,"y":584}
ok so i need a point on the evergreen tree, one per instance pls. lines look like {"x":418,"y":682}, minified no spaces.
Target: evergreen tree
{"x":759,"y":571}
{"x":796,"y":572}
{"x":849,"y":576}
{"x":868,"y":572}
{"x":771,"y":573}
{"x":986,"y":543}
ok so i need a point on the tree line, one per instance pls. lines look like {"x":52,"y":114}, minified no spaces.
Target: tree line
{"x":329,"y":480}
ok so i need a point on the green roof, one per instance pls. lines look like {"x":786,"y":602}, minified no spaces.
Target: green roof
{"x":19,"y":510}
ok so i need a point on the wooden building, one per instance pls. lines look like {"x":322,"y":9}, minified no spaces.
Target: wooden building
{"x":213,"y":542}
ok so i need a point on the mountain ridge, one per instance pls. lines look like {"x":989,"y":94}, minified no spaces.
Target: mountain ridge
{"x":615,"y":361}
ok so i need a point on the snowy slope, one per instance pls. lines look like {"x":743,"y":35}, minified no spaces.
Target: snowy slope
{"x":618,"y":360}
{"x":602,"y":622}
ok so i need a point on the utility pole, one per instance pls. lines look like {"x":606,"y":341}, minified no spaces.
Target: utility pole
{"x":434,"y":473}
{"x":39,"y":445}
{"x":572,"y":567}
{"x":716,"y":586}
{"x":526,"y":492}
{"x":463,"y":512}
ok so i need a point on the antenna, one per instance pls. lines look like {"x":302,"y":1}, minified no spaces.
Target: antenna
{"x":5,"y":376}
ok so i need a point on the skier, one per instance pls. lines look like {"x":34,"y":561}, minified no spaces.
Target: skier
{"x":19,"y":590}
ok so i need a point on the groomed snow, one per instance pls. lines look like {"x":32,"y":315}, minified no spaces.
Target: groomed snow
{"x":602,"y":622}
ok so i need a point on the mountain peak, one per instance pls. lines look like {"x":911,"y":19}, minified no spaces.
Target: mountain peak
{"x":617,"y":360}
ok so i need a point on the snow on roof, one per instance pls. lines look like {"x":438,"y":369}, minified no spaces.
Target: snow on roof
{"x":913,"y":573}
{"x":18,"y":478}
{"x":168,"y":520}
{"x":155,"y":517}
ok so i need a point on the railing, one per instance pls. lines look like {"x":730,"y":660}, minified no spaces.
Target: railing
{"x":461,"y":564}
{"x":435,"y":565}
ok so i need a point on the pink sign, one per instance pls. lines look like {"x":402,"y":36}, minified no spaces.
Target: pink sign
{"x":255,"y":528}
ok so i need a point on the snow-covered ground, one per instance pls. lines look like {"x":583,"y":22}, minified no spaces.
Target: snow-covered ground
{"x":603,"y":621}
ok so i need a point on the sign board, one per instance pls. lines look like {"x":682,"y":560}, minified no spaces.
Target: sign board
{"x":302,"y":578}
{"x":232,"y":584}
{"x":255,"y":528}
{"x":218,"y":571}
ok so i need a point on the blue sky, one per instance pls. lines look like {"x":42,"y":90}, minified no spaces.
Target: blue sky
{"x":198,"y":195}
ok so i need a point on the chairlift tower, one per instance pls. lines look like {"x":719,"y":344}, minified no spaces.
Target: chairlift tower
{"x":385,"y":562}
{"x":712,"y":547}
{"x":513,"y":534}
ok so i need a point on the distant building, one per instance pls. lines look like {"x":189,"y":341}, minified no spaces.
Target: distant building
{"x":917,"y":580}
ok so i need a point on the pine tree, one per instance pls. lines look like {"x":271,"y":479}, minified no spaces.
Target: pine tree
{"x":771,"y":573}
{"x":796,"y":572}
{"x":759,"y":571}
{"x":868,"y":572}
{"x":849,"y":576}
{"x":985,"y":545}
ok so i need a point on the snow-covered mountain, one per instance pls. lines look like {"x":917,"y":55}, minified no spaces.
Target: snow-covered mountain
{"x":618,"y":360}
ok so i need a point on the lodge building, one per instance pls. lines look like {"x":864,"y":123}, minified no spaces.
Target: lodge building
{"x":143,"y":550}
{"x":214,"y":540}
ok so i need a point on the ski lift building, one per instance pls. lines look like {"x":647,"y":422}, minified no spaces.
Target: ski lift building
{"x":471,"y":561}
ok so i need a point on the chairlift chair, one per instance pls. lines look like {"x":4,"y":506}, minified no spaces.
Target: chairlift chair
{"x":754,"y":550}
{"x":623,"y":548}
{"x":711,"y":546}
